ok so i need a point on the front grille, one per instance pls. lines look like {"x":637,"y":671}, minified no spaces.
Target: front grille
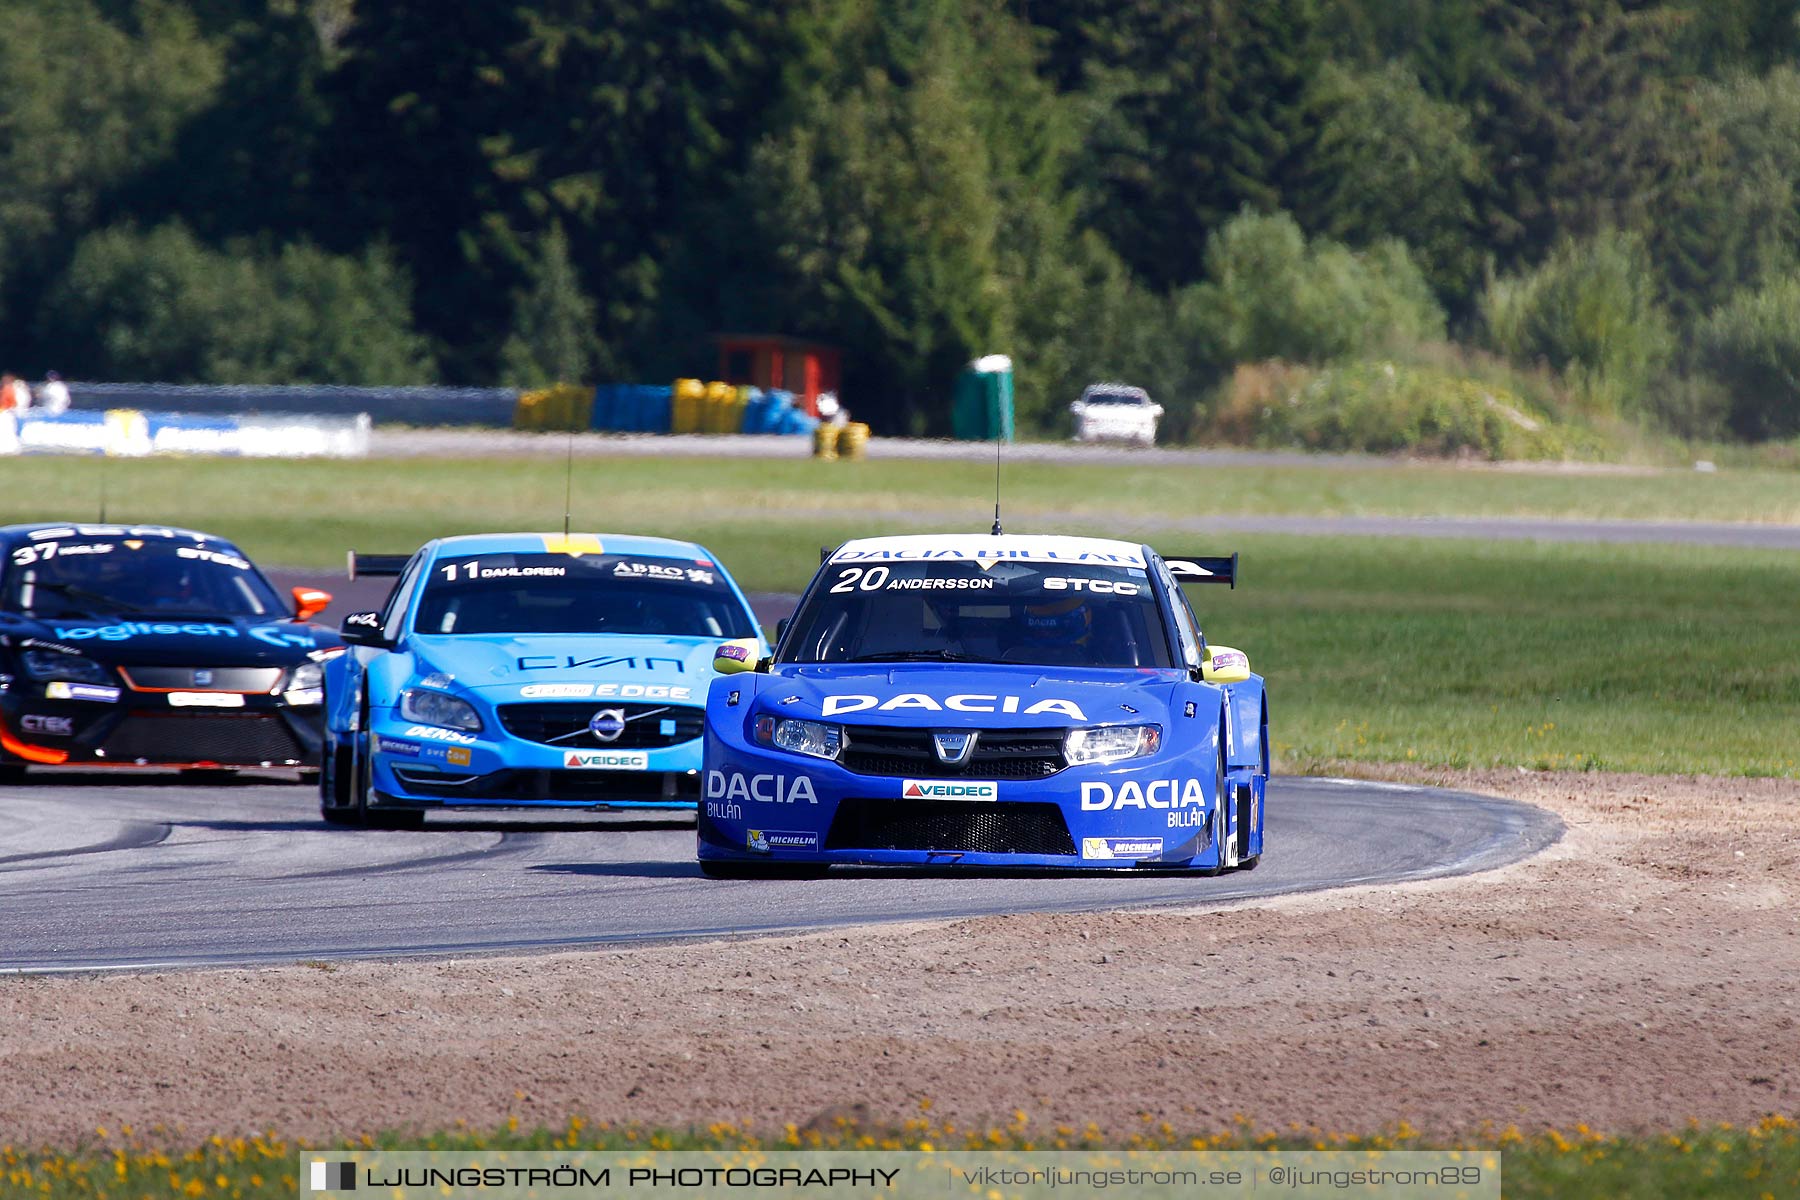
{"x":247,"y":740}
{"x":217,"y":679}
{"x":976,"y":828}
{"x":596,"y":787}
{"x":998,"y":753}
{"x":562,"y":723}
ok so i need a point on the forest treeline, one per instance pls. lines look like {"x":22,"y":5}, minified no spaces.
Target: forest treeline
{"x":1592,"y":205}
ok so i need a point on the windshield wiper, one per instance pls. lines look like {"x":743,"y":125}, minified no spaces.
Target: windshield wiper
{"x":104,"y":604}
{"x":919,"y":656}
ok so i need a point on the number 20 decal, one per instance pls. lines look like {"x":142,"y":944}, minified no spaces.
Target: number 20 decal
{"x":873,"y":579}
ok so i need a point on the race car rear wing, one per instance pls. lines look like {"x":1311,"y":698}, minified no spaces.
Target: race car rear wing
{"x":1200,"y":568}
{"x":362,"y":565}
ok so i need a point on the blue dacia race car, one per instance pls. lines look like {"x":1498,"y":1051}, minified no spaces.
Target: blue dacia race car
{"x":988,"y":701}
{"x":527,"y":669}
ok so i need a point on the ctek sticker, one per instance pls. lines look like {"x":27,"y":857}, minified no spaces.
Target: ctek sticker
{"x":938,"y":789}
{"x":1158,"y":793}
{"x":205,"y":700}
{"x":972,"y":702}
{"x":432,"y":733}
{"x":55,"y":726}
{"x":60,"y":690}
{"x":1121,"y":847}
{"x":606,"y":760}
{"x":767,"y":789}
{"x":778,"y":839}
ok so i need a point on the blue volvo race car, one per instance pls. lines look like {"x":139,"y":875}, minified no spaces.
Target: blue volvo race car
{"x":989,"y":701}
{"x":527,"y":669}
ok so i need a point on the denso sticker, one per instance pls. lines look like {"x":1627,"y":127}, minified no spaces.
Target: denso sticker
{"x":556,"y":691}
{"x":781,"y":839}
{"x":432,"y":733}
{"x":54,"y":726}
{"x":387,"y":745}
{"x":1157,"y":793}
{"x":1121,"y":847}
{"x":939,"y":789}
{"x":606,"y":760}
{"x":974,"y":702}
{"x":767,"y":789}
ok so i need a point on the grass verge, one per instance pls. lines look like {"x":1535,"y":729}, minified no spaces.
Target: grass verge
{"x":1454,"y":653}
{"x":305,"y":513}
{"x":1696,"y":1163}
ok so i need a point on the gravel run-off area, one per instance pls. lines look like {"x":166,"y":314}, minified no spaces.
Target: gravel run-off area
{"x":1638,"y":974}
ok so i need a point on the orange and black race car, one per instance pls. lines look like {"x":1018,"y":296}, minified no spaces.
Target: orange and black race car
{"x":145,"y":646}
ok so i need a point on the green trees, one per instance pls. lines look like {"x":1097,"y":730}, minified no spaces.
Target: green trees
{"x":164,"y":306}
{"x":1146,"y":189}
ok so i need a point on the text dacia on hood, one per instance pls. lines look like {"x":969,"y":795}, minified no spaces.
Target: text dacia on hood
{"x":1001,"y":696}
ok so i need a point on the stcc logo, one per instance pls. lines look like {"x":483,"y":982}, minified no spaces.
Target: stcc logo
{"x":607,"y":725}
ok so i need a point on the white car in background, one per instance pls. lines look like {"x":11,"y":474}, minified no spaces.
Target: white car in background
{"x":1115,"y":412}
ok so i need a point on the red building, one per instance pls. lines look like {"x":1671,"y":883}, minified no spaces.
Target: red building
{"x":770,"y":361}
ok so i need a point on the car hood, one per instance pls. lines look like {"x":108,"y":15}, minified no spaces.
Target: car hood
{"x":983,"y":695}
{"x":498,"y":664}
{"x":148,"y":641}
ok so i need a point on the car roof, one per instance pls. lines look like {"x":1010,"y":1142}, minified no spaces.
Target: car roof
{"x":1050,"y":547}
{"x":579,"y":543}
{"x":87,"y":529}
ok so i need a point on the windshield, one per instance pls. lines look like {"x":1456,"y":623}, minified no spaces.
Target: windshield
{"x":135,"y":572}
{"x":956,"y":610}
{"x":589,"y":593}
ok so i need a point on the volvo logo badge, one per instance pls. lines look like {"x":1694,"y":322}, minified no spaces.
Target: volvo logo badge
{"x":607,"y":724}
{"x":953,"y":749}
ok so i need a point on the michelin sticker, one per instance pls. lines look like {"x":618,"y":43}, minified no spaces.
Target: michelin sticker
{"x":1121,"y":847}
{"x":767,"y":840}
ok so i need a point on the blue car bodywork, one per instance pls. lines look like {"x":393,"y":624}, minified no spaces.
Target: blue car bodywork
{"x":1156,"y":758}
{"x":486,"y":682}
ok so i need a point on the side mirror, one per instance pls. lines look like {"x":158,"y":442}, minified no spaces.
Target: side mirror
{"x":363,"y":629}
{"x":1224,"y":665}
{"x":736,"y":657}
{"x":309,"y":602}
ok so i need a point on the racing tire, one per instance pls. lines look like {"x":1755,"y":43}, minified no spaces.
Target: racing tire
{"x":352,"y":791}
{"x":721,"y":868}
{"x":1219,"y":824}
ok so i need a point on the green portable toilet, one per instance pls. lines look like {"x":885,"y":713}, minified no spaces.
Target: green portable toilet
{"x":981,"y":407}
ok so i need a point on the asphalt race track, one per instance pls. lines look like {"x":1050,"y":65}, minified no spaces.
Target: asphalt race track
{"x":102,"y":870}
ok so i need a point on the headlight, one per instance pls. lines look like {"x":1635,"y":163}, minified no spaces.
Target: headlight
{"x":305,"y":685}
{"x":814,"y":738}
{"x":1111,"y":743}
{"x":435,"y":708}
{"x":48,"y":664}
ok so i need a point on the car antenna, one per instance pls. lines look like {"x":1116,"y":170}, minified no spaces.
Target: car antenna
{"x":568,"y":482}
{"x":102,"y":490}
{"x":997,"y":445}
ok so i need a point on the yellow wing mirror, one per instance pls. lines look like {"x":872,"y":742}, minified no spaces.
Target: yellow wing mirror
{"x":1225,"y":665}
{"x":736,"y":657}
